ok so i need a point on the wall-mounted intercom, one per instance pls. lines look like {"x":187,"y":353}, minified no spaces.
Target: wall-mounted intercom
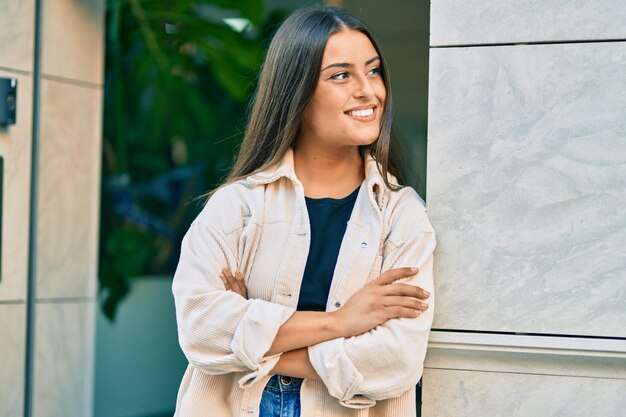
{"x":8,"y":101}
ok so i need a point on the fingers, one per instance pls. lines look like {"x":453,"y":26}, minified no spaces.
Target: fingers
{"x":395,"y":274}
{"x":412,"y":303}
{"x":241,"y":283}
{"x":226,"y":283}
{"x":234,"y":283}
{"x":405,"y":290}
{"x":398,"y":312}
{"x":229,"y":280}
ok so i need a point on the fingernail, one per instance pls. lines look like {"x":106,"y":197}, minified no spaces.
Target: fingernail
{"x":414,"y":270}
{"x":427,"y":293}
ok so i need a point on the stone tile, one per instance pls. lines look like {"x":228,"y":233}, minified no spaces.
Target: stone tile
{"x":527,"y":187}
{"x":73,"y":39}
{"x":15,"y":150}
{"x":12,"y":347}
{"x":69,"y":190}
{"x":63,"y":363}
{"x":489,"y":358}
{"x":454,"y":22}
{"x":452,"y":393}
{"x":17,"y":35}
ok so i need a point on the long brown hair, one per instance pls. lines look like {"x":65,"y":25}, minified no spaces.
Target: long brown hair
{"x":288,"y":78}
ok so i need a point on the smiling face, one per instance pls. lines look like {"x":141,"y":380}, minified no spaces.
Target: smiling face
{"x":349,"y":99}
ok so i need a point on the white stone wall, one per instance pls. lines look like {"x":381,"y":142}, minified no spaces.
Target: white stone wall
{"x":68,"y":204}
{"x":527,"y":191}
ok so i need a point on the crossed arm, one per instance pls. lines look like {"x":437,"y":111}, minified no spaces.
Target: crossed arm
{"x":377,"y":302}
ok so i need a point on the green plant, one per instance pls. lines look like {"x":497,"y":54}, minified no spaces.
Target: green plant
{"x":178,"y":78}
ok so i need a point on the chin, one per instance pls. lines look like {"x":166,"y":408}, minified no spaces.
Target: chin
{"x":364,"y":142}
{"x":367,"y":139}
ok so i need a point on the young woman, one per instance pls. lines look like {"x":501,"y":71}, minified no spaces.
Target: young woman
{"x":304,"y":286}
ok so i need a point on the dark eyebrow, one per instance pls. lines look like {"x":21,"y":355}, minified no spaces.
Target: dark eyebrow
{"x":346,"y":65}
{"x":369,"y":61}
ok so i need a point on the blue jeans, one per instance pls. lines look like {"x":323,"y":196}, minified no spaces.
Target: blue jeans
{"x":281,"y":397}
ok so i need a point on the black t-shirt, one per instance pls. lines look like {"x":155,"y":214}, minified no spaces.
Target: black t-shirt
{"x":329,"y":219}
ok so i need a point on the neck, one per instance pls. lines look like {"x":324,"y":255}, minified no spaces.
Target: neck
{"x":324,"y":172}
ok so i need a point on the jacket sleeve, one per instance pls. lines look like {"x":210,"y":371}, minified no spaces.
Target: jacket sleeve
{"x":388,"y":360}
{"x":219,"y":331}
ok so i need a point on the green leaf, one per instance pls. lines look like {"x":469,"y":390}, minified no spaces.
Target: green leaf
{"x":131,"y":250}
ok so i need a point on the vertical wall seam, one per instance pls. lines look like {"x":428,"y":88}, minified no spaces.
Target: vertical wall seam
{"x":32,"y":234}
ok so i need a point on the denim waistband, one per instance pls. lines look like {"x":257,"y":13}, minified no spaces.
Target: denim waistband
{"x":282,"y":383}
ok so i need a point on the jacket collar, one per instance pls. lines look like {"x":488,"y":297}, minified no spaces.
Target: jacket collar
{"x":376,"y":187}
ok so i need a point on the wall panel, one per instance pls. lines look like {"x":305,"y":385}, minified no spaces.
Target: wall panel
{"x":527,"y":187}
{"x":17,"y":18}
{"x":68,"y":203}
{"x":462,"y":22}
{"x":69,"y":175}
{"x":64,"y":346}
{"x":454,"y":393}
{"x":73,"y":33}
{"x":12,"y":345}
{"x":15,"y":149}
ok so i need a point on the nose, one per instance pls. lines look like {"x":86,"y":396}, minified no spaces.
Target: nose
{"x":363,"y":88}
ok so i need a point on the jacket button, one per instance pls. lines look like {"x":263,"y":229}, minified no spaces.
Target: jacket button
{"x":364,"y":244}
{"x":337,"y":304}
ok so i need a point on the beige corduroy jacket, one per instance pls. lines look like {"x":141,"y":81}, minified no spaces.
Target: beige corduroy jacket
{"x":260,"y":226}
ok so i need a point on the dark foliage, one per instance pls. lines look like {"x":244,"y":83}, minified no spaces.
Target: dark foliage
{"x":178,"y":80}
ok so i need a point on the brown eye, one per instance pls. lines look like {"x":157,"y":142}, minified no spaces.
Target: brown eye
{"x":339,"y":76}
{"x":374,"y":71}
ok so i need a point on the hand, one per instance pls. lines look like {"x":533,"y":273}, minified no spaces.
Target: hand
{"x":381,"y":300}
{"x":234,"y":283}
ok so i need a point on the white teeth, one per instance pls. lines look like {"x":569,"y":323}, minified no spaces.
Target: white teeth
{"x":361,"y":113}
